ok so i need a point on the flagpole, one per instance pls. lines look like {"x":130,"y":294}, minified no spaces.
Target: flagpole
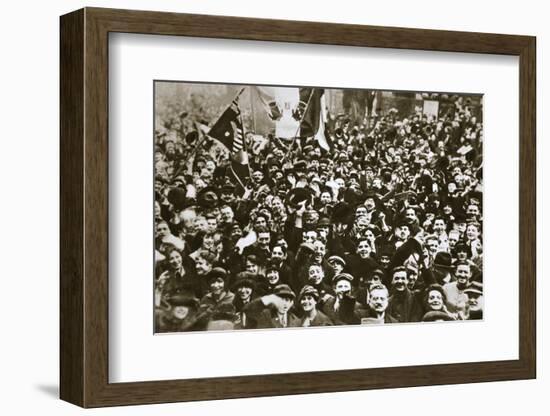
{"x":299,"y":125}
{"x":204,"y":135}
{"x":252,"y":109}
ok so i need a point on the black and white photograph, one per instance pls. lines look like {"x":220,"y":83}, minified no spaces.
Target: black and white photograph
{"x":308,"y":206}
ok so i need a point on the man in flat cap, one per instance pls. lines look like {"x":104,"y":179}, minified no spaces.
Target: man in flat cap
{"x":274,"y":310}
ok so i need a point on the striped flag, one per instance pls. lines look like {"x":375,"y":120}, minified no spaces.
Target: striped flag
{"x":229,"y":131}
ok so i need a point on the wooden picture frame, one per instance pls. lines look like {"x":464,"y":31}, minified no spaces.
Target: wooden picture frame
{"x":84,"y":207}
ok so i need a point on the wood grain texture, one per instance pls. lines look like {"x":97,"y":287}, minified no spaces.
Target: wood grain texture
{"x":84,"y":207}
{"x":71,"y":213}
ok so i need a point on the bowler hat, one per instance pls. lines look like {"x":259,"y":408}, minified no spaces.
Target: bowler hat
{"x":443,"y":260}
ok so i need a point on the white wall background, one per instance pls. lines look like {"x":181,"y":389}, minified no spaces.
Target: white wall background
{"x":29,"y":158}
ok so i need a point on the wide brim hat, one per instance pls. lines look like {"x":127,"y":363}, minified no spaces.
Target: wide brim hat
{"x":436,"y":316}
{"x":180,"y":299}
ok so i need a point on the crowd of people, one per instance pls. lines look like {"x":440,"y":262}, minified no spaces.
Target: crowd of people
{"x":384,"y":227}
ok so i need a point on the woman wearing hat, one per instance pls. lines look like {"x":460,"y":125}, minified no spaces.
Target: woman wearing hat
{"x":311,"y":316}
{"x":218,"y":293}
{"x":180,"y":315}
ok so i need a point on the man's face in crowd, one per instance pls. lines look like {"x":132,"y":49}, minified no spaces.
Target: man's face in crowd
{"x":360,"y":211}
{"x":217,"y":285}
{"x":236,"y":233}
{"x":463,"y":274}
{"x":277,"y":204}
{"x":311,"y":217}
{"x":285,"y":305}
{"x":342,"y":287}
{"x":369,"y":204}
{"x":208,"y":241}
{"x":373,"y":279}
{"x":399,"y":281}
{"x":447,"y":209}
{"x":273,"y":277}
{"x":369,"y":174}
{"x":163,"y":230}
{"x":435,"y":300}
{"x":340,"y":182}
{"x":227,"y":214}
{"x":315,"y":274}
{"x":201,"y":224}
{"x":433,"y":245}
{"x":410,"y":215}
{"x":175,"y":260}
{"x":460,"y":226}
{"x":439,"y":226}
{"x":475,"y":302}
{"x":244,"y":292}
{"x":320,"y":249}
{"x":277,"y":253}
{"x":257,"y":176}
{"x":363,"y":249}
{"x":210,"y":166}
{"x":308,"y":303}
{"x":376,"y":183}
{"x":251,"y":267}
{"x":378,"y":301}
{"x":263,"y":240}
{"x":454,"y":236}
{"x":202,"y":266}
{"x":362,"y":222}
{"x":451,"y":187}
{"x":227,"y":196}
{"x":472,"y":232}
{"x":412,"y":279}
{"x":325,"y":198}
{"x":385,"y":260}
{"x":403,"y":232}
{"x":462,"y":255}
{"x":260,"y":222}
{"x":472,"y":211}
{"x":212,"y":224}
{"x":336,"y":266}
{"x":309,"y":237}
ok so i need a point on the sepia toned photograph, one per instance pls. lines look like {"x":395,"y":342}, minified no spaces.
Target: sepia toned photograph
{"x":297,"y":207}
